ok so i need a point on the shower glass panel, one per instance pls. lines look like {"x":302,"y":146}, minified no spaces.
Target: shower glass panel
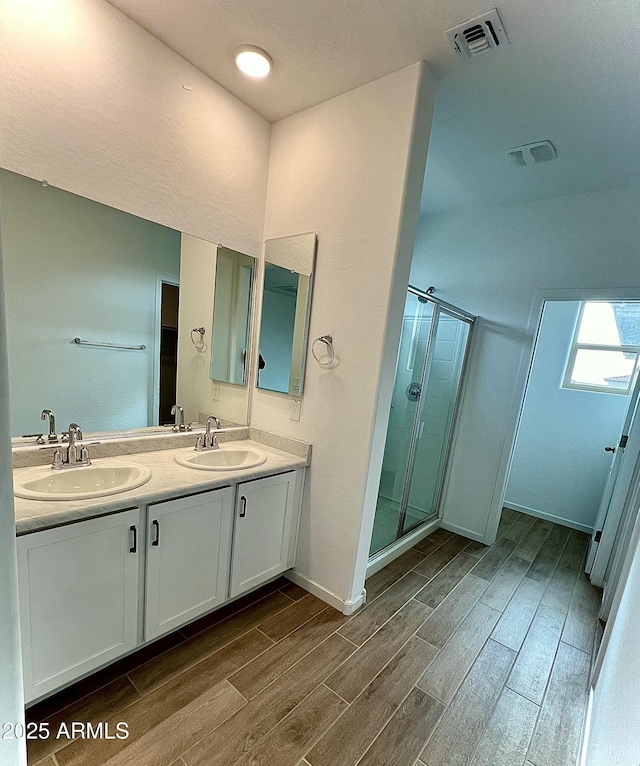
{"x":426,"y":390}
{"x":435,"y":419}
{"x":412,"y":355}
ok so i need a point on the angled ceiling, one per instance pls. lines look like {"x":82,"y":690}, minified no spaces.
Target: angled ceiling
{"x":571,"y":75}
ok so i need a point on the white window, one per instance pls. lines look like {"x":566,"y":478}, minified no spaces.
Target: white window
{"x":605,"y":348}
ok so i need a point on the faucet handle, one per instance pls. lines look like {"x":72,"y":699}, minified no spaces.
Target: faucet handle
{"x":38,"y":437}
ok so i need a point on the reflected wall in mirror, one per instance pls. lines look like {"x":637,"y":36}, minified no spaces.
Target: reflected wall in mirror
{"x":77,"y":268}
{"x":232,"y":302}
{"x":286,"y":307}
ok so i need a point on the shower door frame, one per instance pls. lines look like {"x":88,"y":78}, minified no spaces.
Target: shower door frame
{"x":457,"y":313}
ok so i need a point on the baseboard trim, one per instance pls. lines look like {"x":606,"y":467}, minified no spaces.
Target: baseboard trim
{"x":462,"y":531}
{"x":380,"y":560}
{"x":346,"y":607}
{"x":586,"y":730}
{"x":549,"y":517}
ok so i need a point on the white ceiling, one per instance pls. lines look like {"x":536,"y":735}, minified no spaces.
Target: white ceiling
{"x":571,"y":75}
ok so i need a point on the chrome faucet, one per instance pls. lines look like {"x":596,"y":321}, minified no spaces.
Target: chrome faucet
{"x":75,"y":433}
{"x":209,"y":440}
{"x":178,"y":424}
{"x":71,"y":457}
{"x":53,"y":436}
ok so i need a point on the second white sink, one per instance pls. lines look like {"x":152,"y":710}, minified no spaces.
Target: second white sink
{"x":104,"y":477}
{"x":228,"y":457}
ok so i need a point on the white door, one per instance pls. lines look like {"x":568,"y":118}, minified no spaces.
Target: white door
{"x":263,"y":531}
{"x":188,"y":551}
{"x":78,"y":598}
{"x":612,"y":504}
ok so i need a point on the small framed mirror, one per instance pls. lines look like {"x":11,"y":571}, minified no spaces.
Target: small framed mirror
{"x":232,"y":302}
{"x":286,"y":307}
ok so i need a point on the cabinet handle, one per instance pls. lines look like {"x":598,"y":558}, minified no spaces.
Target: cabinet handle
{"x":243,"y":507}
{"x":134,"y":547}
{"x":156,"y":525}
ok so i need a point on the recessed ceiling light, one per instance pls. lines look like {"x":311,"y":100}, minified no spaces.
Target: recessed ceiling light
{"x":253,"y":61}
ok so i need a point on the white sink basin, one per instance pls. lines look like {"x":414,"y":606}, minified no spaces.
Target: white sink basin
{"x":104,"y":477}
{"x":228,"y":457}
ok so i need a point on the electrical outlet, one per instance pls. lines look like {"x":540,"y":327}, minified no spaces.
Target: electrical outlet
{"x":296,"y":404}
{"x":215,"y":391}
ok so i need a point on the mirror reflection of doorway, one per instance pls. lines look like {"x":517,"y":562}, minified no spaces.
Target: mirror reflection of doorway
{"x":429,"y":369}
{"x":168,"y":350}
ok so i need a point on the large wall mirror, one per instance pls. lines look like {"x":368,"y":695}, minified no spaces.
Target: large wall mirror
{"x":286,"y":306}
{"x":77,"y":269}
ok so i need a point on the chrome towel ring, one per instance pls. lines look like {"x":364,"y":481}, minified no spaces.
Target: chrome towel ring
{"x":324,"y":361}
{"x":199,"y":342}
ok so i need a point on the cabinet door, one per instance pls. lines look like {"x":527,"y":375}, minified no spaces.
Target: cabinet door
{"x":78,"y":598}
{"x":188,"y":551}
{"x":263,"y":530}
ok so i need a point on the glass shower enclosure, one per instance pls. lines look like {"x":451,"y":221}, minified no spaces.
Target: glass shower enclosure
{"x":429,"y":371}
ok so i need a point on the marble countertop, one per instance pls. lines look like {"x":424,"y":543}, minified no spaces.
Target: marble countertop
{"x":168,"y":480}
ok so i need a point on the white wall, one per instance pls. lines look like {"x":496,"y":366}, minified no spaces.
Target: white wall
{"x":12,"y":751}
{"x":614,"y":734}
{"x":77,"y":268}
{"x":559,"y":465}
{"x":342,"y":169}
{"x":492,"y":262}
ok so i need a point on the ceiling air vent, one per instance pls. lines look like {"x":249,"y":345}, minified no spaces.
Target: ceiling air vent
{"x":478,"y":35}
{"x":531,"y":154}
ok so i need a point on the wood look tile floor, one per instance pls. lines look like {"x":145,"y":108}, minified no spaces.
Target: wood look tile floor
{"x":465,"y":655}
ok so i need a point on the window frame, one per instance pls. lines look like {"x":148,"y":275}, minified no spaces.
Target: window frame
{"x":575,"y":347}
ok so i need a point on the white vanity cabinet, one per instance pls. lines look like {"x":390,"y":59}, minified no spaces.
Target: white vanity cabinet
{"x":78,"y":598}
{"x":265,"y":530}
{"x":188,"y":553}
{"x":94,"y":590}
